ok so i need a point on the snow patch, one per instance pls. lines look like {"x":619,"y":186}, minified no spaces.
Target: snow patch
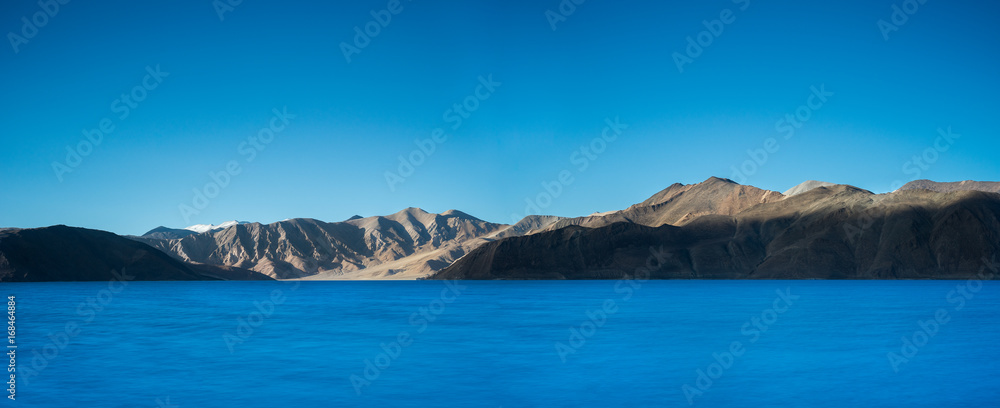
{"x":201,"y":228}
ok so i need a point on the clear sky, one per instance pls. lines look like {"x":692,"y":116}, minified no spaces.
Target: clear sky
{"x":221,"y":80}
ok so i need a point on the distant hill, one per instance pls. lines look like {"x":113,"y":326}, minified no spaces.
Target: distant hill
{"x":162,"y":232}
{"x":61,"y":253}
{"x":968,"y":185}
{"x":806,"y":186}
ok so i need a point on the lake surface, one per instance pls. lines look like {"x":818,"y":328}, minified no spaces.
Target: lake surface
{"x":507,"y":344}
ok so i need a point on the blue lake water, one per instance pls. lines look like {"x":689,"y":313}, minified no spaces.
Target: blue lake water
{"x":507,"y":344}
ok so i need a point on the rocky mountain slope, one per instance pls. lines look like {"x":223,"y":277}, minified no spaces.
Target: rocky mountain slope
{"x":61,"y":253}
{"x":837,"y":232}
{"x":406,"y":245}
{"x":426,"y":263}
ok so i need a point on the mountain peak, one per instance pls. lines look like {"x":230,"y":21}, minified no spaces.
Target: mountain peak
{"x":714,"y":179}
{"x":412,"y":210}
{"x":157,"y":229}
{"x":713,"y":185}
{"x":806,"y":186}
{"x":162,"y":232}
{"x":201,"y":228}
{"x":459,"y":214}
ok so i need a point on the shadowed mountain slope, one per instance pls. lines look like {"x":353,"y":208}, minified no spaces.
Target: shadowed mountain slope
{"x":838,"y":232}
{"x":61,"y":253}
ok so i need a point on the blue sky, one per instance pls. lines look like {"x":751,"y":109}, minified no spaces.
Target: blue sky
{"x":222,"y":80}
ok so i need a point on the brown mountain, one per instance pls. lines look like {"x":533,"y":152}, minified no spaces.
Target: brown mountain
{"x":167,"y":233}
{"x":967,"y":185}
{"x":406,"y":245}
{"x":680,"y":204}
{"x":838,"y":232}
{"x":62,"y":253}
{"x":806,"y":186}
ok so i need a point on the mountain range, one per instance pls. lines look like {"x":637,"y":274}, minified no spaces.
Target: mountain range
{"x":713,"y":229}
{"x":405,"y":245}
{"x":835,"y":232}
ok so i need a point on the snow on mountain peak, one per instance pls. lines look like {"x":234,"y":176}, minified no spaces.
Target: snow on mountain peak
{"x":200,"y":228}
